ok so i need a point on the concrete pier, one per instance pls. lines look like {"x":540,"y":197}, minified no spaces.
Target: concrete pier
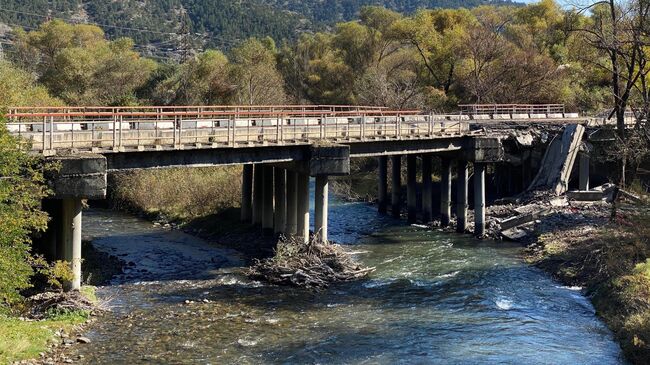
{"x":411,"y":188}
{"x":258,"y":193}
{"x":321,"y":207}
{"x":427,"y":193}
{"x":303,"y":206}
{"x":291,"y":227}
{"x":247,"y":194}
{"x":461,"y":197}
{"x":382,"y":187}
{"x":71,"y":237}
{"x":396,"y":187}
{"x":479,"y":199}
{"x":445,"y":192}
{"x":280,"y":197}
{"x":267,"y":214}
{"x":584,"y":172}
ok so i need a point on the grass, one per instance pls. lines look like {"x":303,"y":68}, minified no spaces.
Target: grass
{"x":612,"y":263}
{"x":22,"y":340}
{"x":177,"y":194}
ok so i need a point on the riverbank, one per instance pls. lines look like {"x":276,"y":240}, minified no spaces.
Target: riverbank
{"x":610,"y":262}
{"x":31,"y":341}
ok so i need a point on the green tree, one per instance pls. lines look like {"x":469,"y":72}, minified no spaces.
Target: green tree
{"x":18,"y":88}
{"x":77,"y":64}
{"x":21,"y":189}
{"x":202,"y":80}
{"x":255,"y":73}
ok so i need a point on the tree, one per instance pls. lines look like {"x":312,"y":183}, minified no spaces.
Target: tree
{"x":202,"y":80}
{"x":254,"y":71}
{"x":21,"y":189}
{"x":77,"y":64}
{"x":18,"y":88}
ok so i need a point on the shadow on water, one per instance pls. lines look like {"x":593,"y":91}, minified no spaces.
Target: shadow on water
{"x":434,"y":298}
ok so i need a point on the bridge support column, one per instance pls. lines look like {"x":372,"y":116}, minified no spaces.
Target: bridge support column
{"x":383,"y":184}
{"x":445,"y":192}
{"x":584,"y":172}
{"x":396,"y":188}
{"x":258,"y":193}
{"x":267,"y":215}
{"x":479,"y":199}
{"x":247,"y":194}
{"x":411,"y":188}
{"x":280,"y":214}
{"x":292,"y":204}
{"x":303,"y":206}
{"x":321,"y":208}
{"x":427,"y":193}
{"x":461,"y":200}
{"x":71,"y":237}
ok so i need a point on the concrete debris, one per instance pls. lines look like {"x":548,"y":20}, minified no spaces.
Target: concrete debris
{"x":558,"y":161}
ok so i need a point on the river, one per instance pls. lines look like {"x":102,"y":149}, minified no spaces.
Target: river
{"x":435,"y":298}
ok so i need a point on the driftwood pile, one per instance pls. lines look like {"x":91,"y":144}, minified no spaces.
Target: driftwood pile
{"x":310,"y":265}
{"x":43,"y":304}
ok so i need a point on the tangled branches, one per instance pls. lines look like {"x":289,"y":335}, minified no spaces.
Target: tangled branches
{"x":309,"y":265}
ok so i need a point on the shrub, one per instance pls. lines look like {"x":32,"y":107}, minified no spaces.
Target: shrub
{"x":22,"y":187}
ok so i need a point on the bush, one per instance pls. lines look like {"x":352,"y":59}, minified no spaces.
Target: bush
{"x":22,"y":187}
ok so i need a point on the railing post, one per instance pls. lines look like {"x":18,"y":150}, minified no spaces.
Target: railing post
{"x":115,"y":131}
{"x":180,"y":131}
{"x":44,"y":131}
{"x":120,"y":121}
{"x":52,"y":132}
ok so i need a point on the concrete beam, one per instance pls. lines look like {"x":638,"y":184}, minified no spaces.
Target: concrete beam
{"x":292,"y":203}
{"x":247,"y":194}
{"x":411,"y":188}
{"x":321,"y":208}
{"x":479,"y":199}
{"x":280,"y":191}
{"x":329,"y":160}
{"x":78,"y":176}
{"x":134,"y":160}
{"x":382,"y":187}
{"x":267,"y":214}
{"x":483,"y":149}
{"x":376,"y":148}
{"x":396,"y":187}
{"x":461,"y":200}
{"x":445,"y":192}
{"x":584,"y":172}
{"x":303,"y":207}
{"x":71,"y":234}
{"x":258,"y":193}
{"x":427,"y":189}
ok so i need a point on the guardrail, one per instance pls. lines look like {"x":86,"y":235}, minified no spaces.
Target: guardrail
{"x":116,"y":129}
{"x":497,"y":109}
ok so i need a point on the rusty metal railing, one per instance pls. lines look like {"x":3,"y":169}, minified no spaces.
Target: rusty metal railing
{"x":49,"y":129}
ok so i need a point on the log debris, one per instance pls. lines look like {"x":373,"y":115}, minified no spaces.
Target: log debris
{"x":310,"y":265}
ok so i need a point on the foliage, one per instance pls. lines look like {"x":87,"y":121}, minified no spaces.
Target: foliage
{"x":77,"y":64}
{"x":203,"y":191}
{"x":21,"y":190}
{"x":19,"y":88}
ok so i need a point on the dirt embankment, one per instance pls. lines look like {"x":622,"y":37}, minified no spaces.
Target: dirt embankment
{"x":610,"y":261}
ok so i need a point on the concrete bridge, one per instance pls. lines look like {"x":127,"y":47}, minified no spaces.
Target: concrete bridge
{"x":280,"y":148}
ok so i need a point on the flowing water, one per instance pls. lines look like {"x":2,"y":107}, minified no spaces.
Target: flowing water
{"x":435,"y":298}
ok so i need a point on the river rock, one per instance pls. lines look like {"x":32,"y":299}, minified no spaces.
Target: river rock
{"x":83,"y":339}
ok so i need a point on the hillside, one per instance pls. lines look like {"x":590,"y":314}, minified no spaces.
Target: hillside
{"x":166,"y":27}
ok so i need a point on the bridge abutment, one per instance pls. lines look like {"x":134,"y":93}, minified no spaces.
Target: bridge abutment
{"x":479,"y":199}
{"x":303,"y":207}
